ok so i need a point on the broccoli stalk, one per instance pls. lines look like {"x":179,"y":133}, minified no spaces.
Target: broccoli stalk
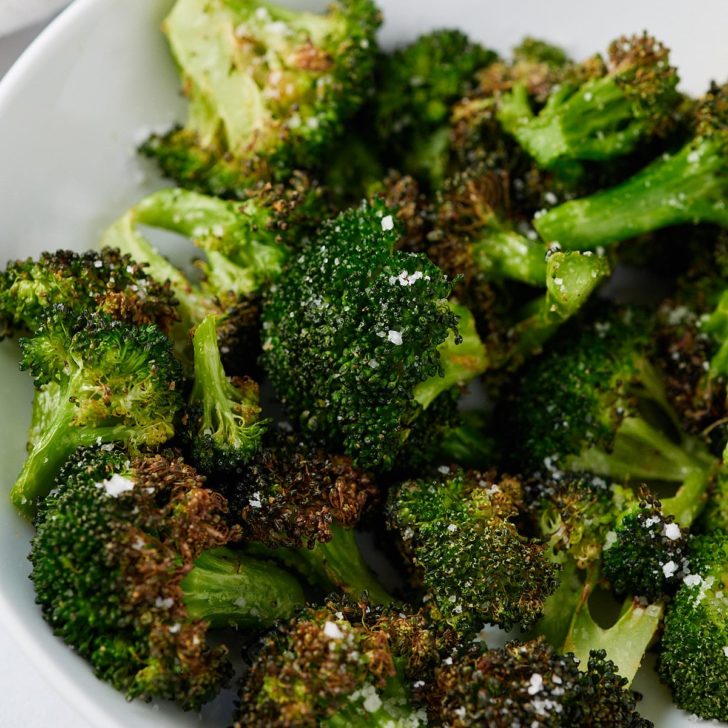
{"x":600,"y":117}
{"x":684,"y":187}
{"x":130,"y":569}
{"x":97,"y":381}
{"x":224,"y":427}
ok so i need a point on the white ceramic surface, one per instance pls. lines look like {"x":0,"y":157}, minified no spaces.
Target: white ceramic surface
{"x":71,"y":112}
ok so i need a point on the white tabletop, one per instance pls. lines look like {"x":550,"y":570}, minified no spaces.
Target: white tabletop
{"x":28,"y":699}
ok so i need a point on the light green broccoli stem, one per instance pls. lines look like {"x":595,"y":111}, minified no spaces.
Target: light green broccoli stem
{"x":514,"y":109}
{"x":470,"y":443}
{"x":686,"y":187}
{"x":228,"y":412}
{"x":716,"y":326}
{"x":461,"y":362}
{"x":229,"y":589}
{"x":505,"y":253}
{"x":559,"y":607}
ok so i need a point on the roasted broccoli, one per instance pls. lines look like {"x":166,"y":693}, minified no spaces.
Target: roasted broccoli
{"x":359,"y":339}
{"x":130,"y":569}
{"x":107,"y":281}
{"x":269,"y":89}
{"x":528,"y":684}
{"x":687,"y":186}
{"x":603,"y":115}
{"x":693,"y":649}
{"x":97,"y":381}
{"x":341,"y":665}
{"x":223,"y":426}
{"x":458,"y":531}
{"x":299,"y":506}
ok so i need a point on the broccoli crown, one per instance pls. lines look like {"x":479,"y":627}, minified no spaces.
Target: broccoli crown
{"x":224,"y":426}
{"x":531,"y":685}
{"x":536,"y":50}
{"x":97,"y":381}
{"x":269,"y":88}
{"x":577,"y":393}
{"x":646,"y":553}
{"x":349,"y":331}
{"x":459,"y":532}
{"x":338,"y":665}
{"x":107,"y":281}
{"x":113,"y":544}
{"x":692,"y":655}
{"x":290,"y":494}
{"x":601,"y":111}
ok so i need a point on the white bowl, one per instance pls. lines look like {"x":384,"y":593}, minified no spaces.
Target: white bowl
{"x":71,"y":113}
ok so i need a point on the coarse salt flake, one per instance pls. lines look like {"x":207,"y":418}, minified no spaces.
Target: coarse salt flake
{"x":395,"y":337}
{"x":331,"y":630}
{"x":669,"y":569}
{"x":672,"y":531}
{"x":535,"y":684}
{"x":116,"y":485}
{"x":387,"y":223}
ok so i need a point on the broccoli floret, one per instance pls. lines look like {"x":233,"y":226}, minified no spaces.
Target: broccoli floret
{"x":107,"y":281}
{"x":692,"y":654}
{"x":358,"y":339}
{"x":130,"y":570}
{"x":595,"y":403}
{"x":299,"y":506}
{"x":458,"y":530}
{"x":600,"y":117}
{"x":340,"y":665}
{"x":528,"y":684}
{"x":418,"y":85}
{"x":684,"y":187}
{"x":269,"y":89}
{"x":224,"y":428}
{"x":97,"y":381}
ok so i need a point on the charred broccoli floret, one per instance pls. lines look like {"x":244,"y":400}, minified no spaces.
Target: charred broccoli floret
{"x":130,"y":570}
{"x":528,"y":684}
{"x":340,"y":666}
{"x":269,"y":89}
{"x":693,"y":650}
{"x":97,"y":381}
{"x":687,"y":186}
{"x":107,"y":281}
{"x":359,"y":339}
{"x":602,"y":116}
{"x":458,"y":530}
{"x":223,"y":426}
{"x":299,"y":506}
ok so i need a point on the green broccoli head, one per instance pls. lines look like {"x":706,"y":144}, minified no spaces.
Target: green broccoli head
{"x":224,"y":428}
{"x":458,"y":531}
{"x":129,"y":570}
{"x":97,"y":381}
{"x":530,"y":684}
{"x":603,"y":115}
{"x":269,"y":89}
{"x":353,"y":328}
{"x":340,"y":665}
{"x":107,"y":281}
{"x":692,"y":653}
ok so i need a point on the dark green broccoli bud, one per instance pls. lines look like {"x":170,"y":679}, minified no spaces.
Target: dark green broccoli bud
{"x":595,"y":403}
{"x":458,"y":531}
{"x":601,"y":117}
{"x":685,"y":187}
{"x":224,"y":428}
{"x":269,"y":89}
{"x":693,"y":650}
{"x":646,"y":553}
{"x":339,"y":666}
{"x":130,"y":570}
{"x":528,"y":684}
{"x":299,"y":506}
{"x":97,"y":381}
{"x":359,"y":339}
{"x":418,"y":85}
{"x":107,"y":281}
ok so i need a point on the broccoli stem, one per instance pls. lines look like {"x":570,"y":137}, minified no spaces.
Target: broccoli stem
{"x":462,"y":359}
{"x":507,"y":254}
{"x":685,"y":187}
{"x":336,"y":564}
{"x":229,"y":589}
{"x":560,"y":606}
